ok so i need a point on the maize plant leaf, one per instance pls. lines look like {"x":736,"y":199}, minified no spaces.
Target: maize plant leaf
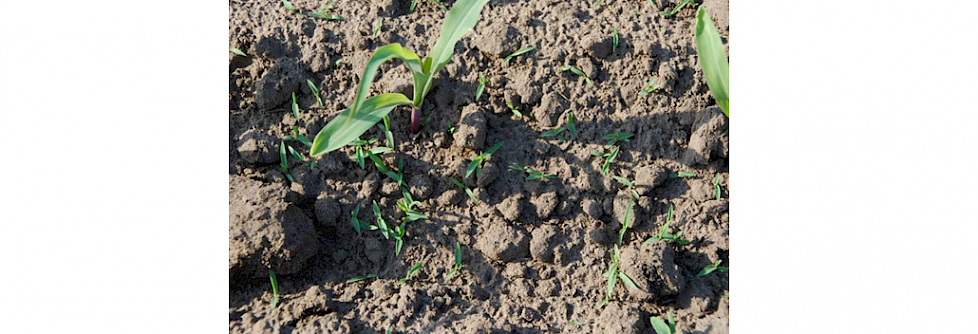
{"x":347,"y":127}
{"x":716,"y":69}
{"x":659,"y":326}
{"x":459,"y":21}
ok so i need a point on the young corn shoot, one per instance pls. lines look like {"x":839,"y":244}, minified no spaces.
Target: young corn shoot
{"x":660,"y":326}
{"x":664,"y":235}
{"x":517,"y":53}
{"x":411,"y":272}
{"x":458,"y":262}
{"x":315,"y":92}
{"x":476,"y":164}
{"x":271,"y":276}
{"x":711,"y":268}
{"x":532,"y":174}
{"x":380,"y":24}
{"x":613,"y":274}
{"x":365,"y":112}
{"x":713,"y":59}
{"x":579,"y":73}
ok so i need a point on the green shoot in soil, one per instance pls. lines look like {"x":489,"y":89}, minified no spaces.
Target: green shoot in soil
{"x":517,"y":53}
{"x":414,"y":3}
{"x":380,"y":24}
{"x":481,"y":88}
{"x":295,"y":107}
{"x":681,"y":175}
{"x":387,"y":131}
{"x":285,"y":163}
{"x":663,"y":232}
{"x":396,"y":176}
{"x":271,"y":276}
{"x":677,"y":8}
{"x":532,"y":174}
{"x":713,"y":59}
{"x":467,"y":191}
{"x":359,"y":153}
{"x":407,"y":205}
{"x":628,"y":183}
{"x":613,"y":274}
{"x":556,"y":132}
{"x":458,"y":262}
{"x":289,"y":6}
{"x":476,"y":164}
{"x":381,"y":223}
{"x":357,"y":224}
{"x":614,"y":138}
{"x":449,"y":128}
{"x":324,"y":14}
{"x":315,"y":91}
{"x":711,"y":268}
{"x":513,"y":109}
{"x":411,"y":272}
{"x":360,"y":278}
{"x":608,"y":156}
{"x":614,"y":40}
{"x":716,"y":185}
{"x":237,"y":52}
{"x":624,"y":224}
{"x":660,"y":326}
{"x":579,"y":73}
{"x":649,"y":87}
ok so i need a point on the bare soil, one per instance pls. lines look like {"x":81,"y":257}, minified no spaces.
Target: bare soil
{"x":533,"y":251}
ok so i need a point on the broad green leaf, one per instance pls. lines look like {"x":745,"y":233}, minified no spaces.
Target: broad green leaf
{"x":458,"y":22}
{"x":382,"y":55}
{"x":659,"y":326}
{"x":346,"y":127}
{"x":716,"y":69}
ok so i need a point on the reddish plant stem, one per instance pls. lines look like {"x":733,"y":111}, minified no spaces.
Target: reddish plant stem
{"x":415,"y":119}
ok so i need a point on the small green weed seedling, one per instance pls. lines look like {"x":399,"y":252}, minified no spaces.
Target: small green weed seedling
{"x":237,"y":52}
{"x":315,"y":92}
{"x":396,"y":176}
{"x":681,"y":175}
{"x":513,"y":109}
{"x":677,"y":8}
{"x":414,"y":3}
{"x":358,"y":225}
{"x":437,"y":2}
{"x":398,"y":235}
{"x":411,"y":272}
{"x":556,"y":132}
{"x":575,"y":323}
{"x":614,"y":138}
{"x":380,"y":24}
{"x":614,"y":40}
{"x":651,"y":4}
{"x":481,"y":88}
{"x":283,"y":147}
{"x":628,"y":183}
{"x":407,"y":205}
{"x":360,"y":278}
{"x":660,"y":326}
{"x":624,"y":224}
{"x":271,"y":276}
{"x":387,"y":132}
{"x":664,"y":235}
{"x":608,"y":156}
{"x":579,"y":73}
{"x":651,"y":86}
{"x":288,"y":6}
{"x":713,"y":59}
{"x":397,"y":231}
{"x":614,"y":274}
{"x":449,"y":128}
{"x":359,"y":153}
{"x":381,"y":223}
{"x":711,"y":268}
{"x":295,"y":107}
{"x":476,"y":164}
{"x":458,"y":262}
{"x":364,"y":112}
{"x":468,"y":191}
{"x":517,"y":53}
{"x":716,"y":185}
{"x":324,"y":14}
{"x":532,"y":174}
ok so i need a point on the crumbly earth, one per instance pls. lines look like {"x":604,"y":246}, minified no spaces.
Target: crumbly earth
{"x":533,"y":251}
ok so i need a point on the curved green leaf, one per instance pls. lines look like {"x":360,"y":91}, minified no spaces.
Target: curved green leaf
{"x":380,"y":56}
{"x":716,"y":69}
{"x":460,"y":19}
{"x":659,"y":326}
{"x":347,"y":127}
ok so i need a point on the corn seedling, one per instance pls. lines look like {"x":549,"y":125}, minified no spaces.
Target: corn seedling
{"x":614,"y":40}
{"x":614,"y":274}
{"x":407,"y":205}
{"x":614,"y":138}
{"x":681,"y":175}
{"x":660,"y":326}
{"x":458,"y":262}
{"x":468,"y":191}
{"x":628,"y":183}
{"x":663,"y":232}
{"x":579,"y":73}
{"x":360,"y":278}
{"x":517,"y":53}
{"x":716,"y":185}
{"x":271,"y":276}
{"x":481,"y":88}
{"x":609,"y":156}
{"x":315,"y":92}
{"x":411,"y":272}
{"x":651,"y":86}
{"x":716,"y":68}
{"x":513,"y":109}
{"x":365,"y":112}
{"x":237,"y":52}
{"x":677,"y":8}
{"x":357,"y":224}
{"x":532,"y":174}
{"x":711,"y":268}
{"x":556,"y":132}
{"x":624,"y":224}
{"x":476,"y":164}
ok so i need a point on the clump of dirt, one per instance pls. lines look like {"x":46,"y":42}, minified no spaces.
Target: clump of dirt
{"x":533,"y":251}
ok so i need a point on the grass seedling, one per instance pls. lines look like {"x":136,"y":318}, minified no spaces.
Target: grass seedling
{"x":651,"y":86}
{"x":458,"y":262}
{"x":411,"y":272}
{"x":556,"y":132}
{"x":407,"y":205}
{"x":630,"y":184}
{"x":660,"y":326}
{"x":677,"y":8}
{"x":651,"y":4}
{"x":323,"y":14}
{"x":449,"y":128}
{"x":289,"y":6}
{"x":681,"y":175}
{"x":614,"y":138}
{"x":624,"y":224}
{"x":315,"y":92}
{"x":481,"y":88}
{"x":387,"y":132}
{"x":598,"y":4}
{"x":359,"y":153}
{"x":360,"y":278}
{"x":663,"y":235}
{"x":614,"y":40}
{"x":365,"y":112}
{"x":513,"y":109}
{"x":381,"y":223}
{"x":271,"y":276}
{"x":414,"y":3}
{"x":398,"y":235}
{"x":295,"y":107}
{"x":284,"y":165}
{"x":357,"y":224}
{"x":476,"y":164}
{"x":711,"y":268}
{"x":614,"y":274}
{"x":532,"y":174}
{"x":609,"y":156}
{"x":579,"y":73}
{"x":467,"y":191}
{"x":713,"y":59}
{"x":380,"y":24}
{"x":517,"y":53}
{"x":237,"y":52}
{"x":716,"y":185}
{"x":396,"y":176}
